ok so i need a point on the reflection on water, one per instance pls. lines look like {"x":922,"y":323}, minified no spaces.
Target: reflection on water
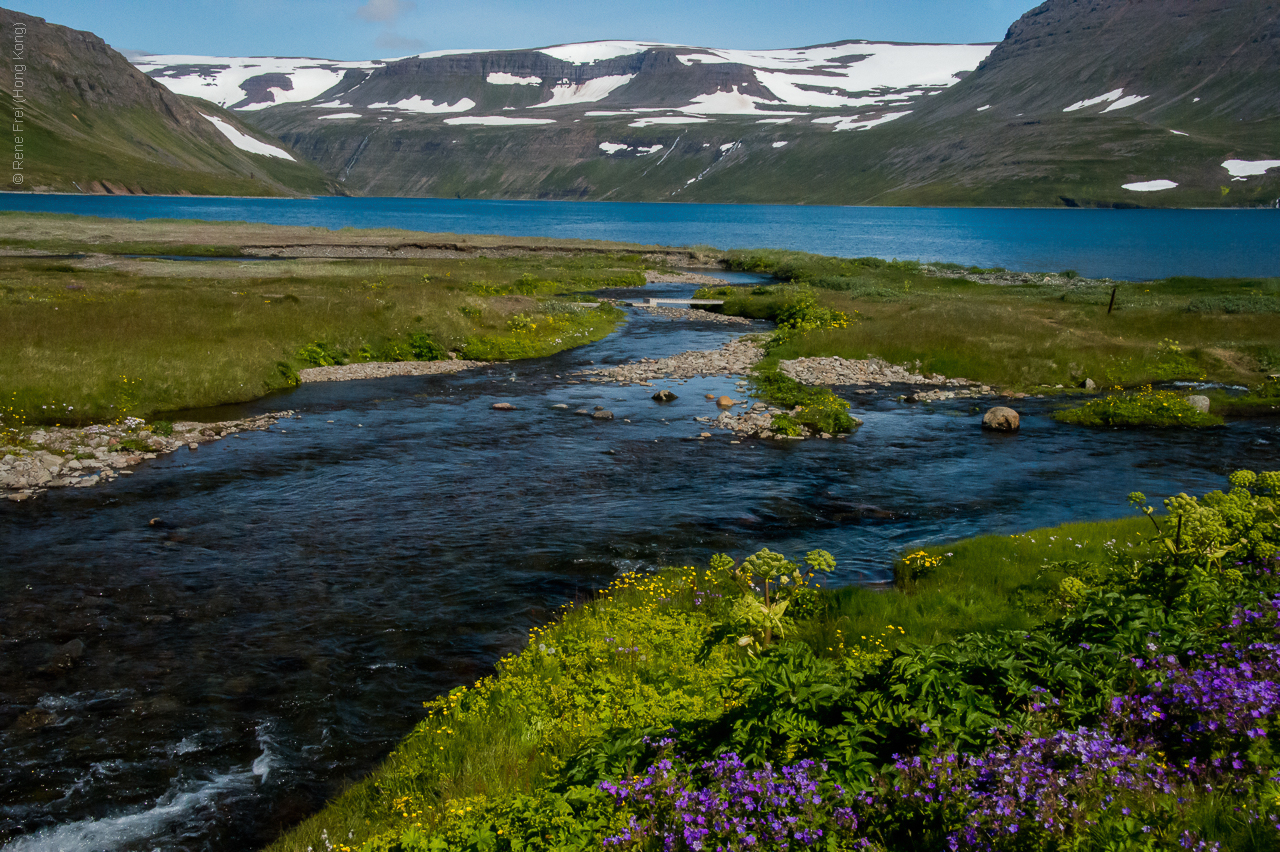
{"x":203,"y":681}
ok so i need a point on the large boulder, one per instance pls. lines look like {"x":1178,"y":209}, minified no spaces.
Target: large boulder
{"x":1199,"y":403}
{"x":1000,"y":419}
{"x":664,"y":396}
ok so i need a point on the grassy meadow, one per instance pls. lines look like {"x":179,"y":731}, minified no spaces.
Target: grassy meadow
{"x":1050,"y":332}
{"x":83,"y":341}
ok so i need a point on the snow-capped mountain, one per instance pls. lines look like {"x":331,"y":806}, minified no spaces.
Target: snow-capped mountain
{"x":650,"y":83}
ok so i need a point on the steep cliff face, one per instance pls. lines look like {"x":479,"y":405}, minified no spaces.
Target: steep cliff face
{"x":1221,"y":55}
{"x":1103,"y":102}
{"x":93,"y":122}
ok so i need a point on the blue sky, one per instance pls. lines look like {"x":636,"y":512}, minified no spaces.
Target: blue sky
{"x":365,"y":29}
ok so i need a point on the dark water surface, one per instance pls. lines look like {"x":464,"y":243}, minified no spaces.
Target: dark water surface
{"x":305,"y":589}
{"x":1121,"y":244}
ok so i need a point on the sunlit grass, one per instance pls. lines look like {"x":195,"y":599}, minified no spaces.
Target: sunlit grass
{"x":991,"y":582}
{"x":80,"y":344}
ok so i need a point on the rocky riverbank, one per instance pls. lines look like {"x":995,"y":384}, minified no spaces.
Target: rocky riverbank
{"x":874,"y":371}
{"x":653,"y":276}
{"x":1006,"y":278}
{"x":736,"y":357}
{"x":383,"y":369}
{"x":694,"y":314}
{"x":66,"y":457}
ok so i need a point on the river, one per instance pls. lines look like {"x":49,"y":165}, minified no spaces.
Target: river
{"x":301,"y":591}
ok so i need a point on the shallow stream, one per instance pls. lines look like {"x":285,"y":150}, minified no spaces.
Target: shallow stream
{"x":199,"y":655}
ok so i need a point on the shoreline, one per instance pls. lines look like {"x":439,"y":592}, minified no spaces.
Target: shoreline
{"x":81,"y":457}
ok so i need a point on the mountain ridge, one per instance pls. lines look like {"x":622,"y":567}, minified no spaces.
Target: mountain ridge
{"x":1112,"y":103}
{"x":94,"y":123}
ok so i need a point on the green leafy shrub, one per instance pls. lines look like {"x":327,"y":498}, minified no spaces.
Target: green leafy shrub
{"x":1144,"y":407}
{"x":319,"y":354}
{"x":785,"y":424}
{"x":818,"y":408}
{"x":426,"y":349}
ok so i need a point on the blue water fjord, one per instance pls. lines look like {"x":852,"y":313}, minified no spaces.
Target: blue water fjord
{"x":1120,"y":244}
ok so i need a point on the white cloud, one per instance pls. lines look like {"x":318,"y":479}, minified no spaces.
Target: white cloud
{"x":385,"y":10}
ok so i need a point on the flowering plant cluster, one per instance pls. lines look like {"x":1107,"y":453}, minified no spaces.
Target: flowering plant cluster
{"x":722,"y":804}
{"x":1142,"y":407}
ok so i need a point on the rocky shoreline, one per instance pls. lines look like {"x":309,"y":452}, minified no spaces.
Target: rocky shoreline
{"x":1007,"y":278}
{"x":734,"y":358}
{"x":874,"y":371}
{"x":384,"y":369}
{"x":694,"y":314}
{"x":67,"y":457}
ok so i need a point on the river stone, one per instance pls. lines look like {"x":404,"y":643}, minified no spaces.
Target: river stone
{"x":1090,"y":384}
{"x":603,"y":415}
{"x":725,"y":402}
{"x":664,"y":396}
{"x":1000,"y":419}
{"x":503,"y":406}
{"x":1199,"y":403}
{"x":560,"y":405}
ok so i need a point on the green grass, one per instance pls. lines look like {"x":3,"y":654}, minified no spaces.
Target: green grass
{"x":1146,"y":407}
{"x":85,"y":342}
{"x":1024,"y":336}
{"x":982,"y":584}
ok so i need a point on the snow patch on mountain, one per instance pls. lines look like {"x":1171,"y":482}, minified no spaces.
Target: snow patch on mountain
{"x":1149,"y":186}
{"x":418,"y":105}
{"x":497,"y":120}
{"x":340,"y":115}
{"x":595,"y":51}
{"x":566,"y":93}
{"x":668,"y":119}
{"x":221,"y":79}
{"x":245,"y":142}
{"x":1127,"y":101}
{"x":1114,"y":95}
{"x":730,"y":103}
{"x":857,"y":123}
{"x":1245,"y":169}
{"x":613,"y":147}
{"x":502,"y":78}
